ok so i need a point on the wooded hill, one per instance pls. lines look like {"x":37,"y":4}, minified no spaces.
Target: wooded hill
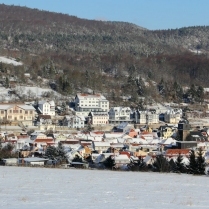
{"x":110,"y":57}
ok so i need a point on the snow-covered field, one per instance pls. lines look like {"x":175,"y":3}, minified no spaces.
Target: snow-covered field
{"x":22,"y":188}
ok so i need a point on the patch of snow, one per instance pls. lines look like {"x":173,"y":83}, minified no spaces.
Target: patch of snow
{"x":10,"y":61}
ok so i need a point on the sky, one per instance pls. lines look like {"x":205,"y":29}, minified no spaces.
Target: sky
{"x":150,"y":14}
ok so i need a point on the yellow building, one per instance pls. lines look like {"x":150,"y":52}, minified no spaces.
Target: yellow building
{"x":17,"y":112}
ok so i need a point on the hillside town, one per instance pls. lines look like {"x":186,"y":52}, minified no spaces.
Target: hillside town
{"x":88,"y":133}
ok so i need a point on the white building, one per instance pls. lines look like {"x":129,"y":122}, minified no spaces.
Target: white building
{"x":146,"y":117}
{"x":173,"y":116}
{"x":74,"y":121}
{"x":47,"y":107}
{"x":86,"y":103}
{"x":120,"y":114}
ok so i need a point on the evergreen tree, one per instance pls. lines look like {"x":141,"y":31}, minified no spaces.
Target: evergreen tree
{"x":56,"y":153}
{"x":200,"y":162}
{"x":161,"y":164}
{"x":179,"y":165}
{"x":61,"y":153}
{"x":109,"y":162}
{"x":200,"y":94}
{"x":51,"y":152}
{"x":192,"y":167}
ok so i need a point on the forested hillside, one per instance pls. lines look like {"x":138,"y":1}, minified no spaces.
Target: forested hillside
{"x":114,"y":58}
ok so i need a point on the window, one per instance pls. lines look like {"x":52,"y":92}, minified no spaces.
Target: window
{"x":15,"y":111}
{"x":26,"y":112}
{"x":2,"y":111}
{"x":31,"y":112}
{"x":20,"y":111}
{"x":9,"y":117}
{"x":10,"y":111}
{"x":21,"y":117}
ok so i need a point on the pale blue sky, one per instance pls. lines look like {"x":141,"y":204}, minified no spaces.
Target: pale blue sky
{"x":151,"y":14}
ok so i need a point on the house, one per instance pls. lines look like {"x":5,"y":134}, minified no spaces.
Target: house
{"x":123,"y":127}
{"x":98,"y":118}
{"x":119,"y":115}
{"x":73,"y":121}
{"x":173,"y":116}
{"x":46,"y":107}
{"x":121,"y":160}
{"x":101,"y":146}
{"x":140,"y":117}
{"x":44,"y":120}
{"x":17,"y":112}
{"x":85,"y":103}
{"x":146,"y":117}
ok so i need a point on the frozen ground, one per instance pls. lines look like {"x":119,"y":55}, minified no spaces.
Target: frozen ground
{"x":22,"y":188}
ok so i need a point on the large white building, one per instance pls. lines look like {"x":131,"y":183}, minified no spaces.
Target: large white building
{"x":120,"y":114}
{"x":47,"y":107}
{"x":86,"y":103}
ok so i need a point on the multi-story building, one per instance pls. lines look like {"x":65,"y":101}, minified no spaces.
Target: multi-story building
{"x":46,"y":107}
{"x":98,"y":118}
{"x":17,"y":112}
{"x":120,"y":114}
{"x":173,"y":116}
{"x":74,"y":121}
{"x":86,"y":103}
{"x":146,"y":117}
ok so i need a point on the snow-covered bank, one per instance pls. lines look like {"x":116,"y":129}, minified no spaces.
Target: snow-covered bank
{"x":22,"y":188}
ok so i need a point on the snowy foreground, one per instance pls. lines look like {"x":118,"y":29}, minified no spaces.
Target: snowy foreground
{"x":22,"y":188}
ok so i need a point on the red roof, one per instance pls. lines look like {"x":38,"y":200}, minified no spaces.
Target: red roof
{"x":172,"y":152}
{"x":44,"y":140}
{"x":125,"y":153}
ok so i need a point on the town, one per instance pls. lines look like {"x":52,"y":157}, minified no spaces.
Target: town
{"x":88,"y":133}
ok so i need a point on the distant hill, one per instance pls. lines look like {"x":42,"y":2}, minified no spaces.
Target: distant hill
{"x":74,"y":53}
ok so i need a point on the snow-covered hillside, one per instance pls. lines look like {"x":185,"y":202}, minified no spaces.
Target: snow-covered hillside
{"x":22,"y":188}
{"x":10,"y":61}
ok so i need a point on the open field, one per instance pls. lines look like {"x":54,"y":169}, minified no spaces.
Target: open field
{"x":22,"y":188}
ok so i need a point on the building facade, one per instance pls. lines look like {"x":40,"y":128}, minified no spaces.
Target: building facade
{"x":17,"y":112}
{"x":47,"y":107}
{"x":87,"y":103}
{"x":120,"y":114}
{"x":98,"y":118}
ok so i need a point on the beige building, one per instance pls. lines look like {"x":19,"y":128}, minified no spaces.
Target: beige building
{"x":98,"y":118}
{"x":17,"y":112}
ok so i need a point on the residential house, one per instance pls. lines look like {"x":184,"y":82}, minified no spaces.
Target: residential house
{"x":46,"y":107}
{"x":98,"y":118}
{"x":74,"y":121}
{"x":17,"y":112}
{"x":173,"y":116}
{"x":44,"y":120}
{"x":85,"y":103}
{"x":146,"y":117}
{"x":123,"y":127}
{"x":121,"y":160}
{"x":120,"y":114}
{"x":101,"y":146}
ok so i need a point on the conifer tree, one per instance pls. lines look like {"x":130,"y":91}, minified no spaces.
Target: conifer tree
{"x":192,"y":167}
{"x":200,"y":162}
{"x":161,"y":164}
{"x":179,"y":165}
{"x":109,"y":162}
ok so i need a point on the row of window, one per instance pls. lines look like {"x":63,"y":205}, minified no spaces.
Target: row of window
{"x":20,"y":117}
{"x":17,"y":111}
